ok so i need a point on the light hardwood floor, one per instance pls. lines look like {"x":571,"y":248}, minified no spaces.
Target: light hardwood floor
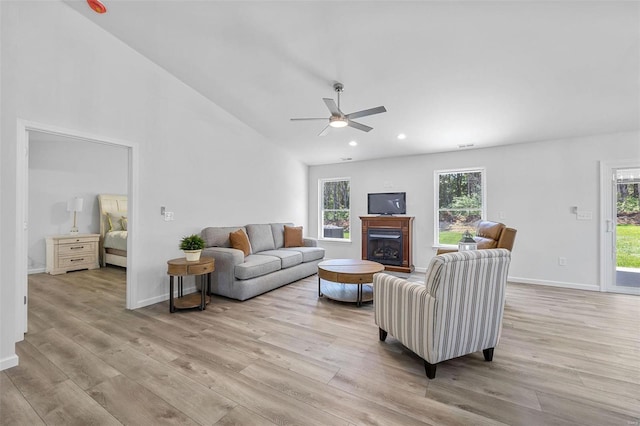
{"x":287,"y":357}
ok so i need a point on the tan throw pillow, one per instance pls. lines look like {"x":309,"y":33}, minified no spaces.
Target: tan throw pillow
{"x":124,"y":223}
{"x":293,"y":236}
{"x":240,"y":241}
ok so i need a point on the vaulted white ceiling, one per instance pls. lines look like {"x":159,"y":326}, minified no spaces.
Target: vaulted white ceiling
{"x":449,"y":73}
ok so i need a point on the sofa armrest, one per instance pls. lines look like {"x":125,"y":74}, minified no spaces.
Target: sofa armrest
{"x":310,"y":242}
{"x":404,"y":309}
{"x":226,"y":261}
{"x":507,"y":238}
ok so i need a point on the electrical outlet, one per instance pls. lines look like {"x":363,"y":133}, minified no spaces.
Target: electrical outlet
{"x":562,"y":261}
{"x":168,"y":216}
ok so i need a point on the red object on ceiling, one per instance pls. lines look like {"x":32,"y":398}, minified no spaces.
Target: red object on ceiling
{"x":97,"y":6}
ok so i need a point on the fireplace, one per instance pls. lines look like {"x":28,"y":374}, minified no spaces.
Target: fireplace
{"x":385,"y":246}
{"x":387,"y":240}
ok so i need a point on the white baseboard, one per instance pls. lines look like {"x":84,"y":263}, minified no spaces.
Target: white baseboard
{"x":163,"y":297}
{"x":36,"y":271}
{"x":8,"y":362}
{"x":421,"y":270}
{"x":576,"y":286}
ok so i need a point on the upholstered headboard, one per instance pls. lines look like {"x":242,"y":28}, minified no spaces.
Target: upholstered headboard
{"x":110,"y":203}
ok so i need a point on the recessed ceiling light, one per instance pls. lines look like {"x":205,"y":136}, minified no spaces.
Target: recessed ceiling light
{"x":353,"y":143}
{"x":346,"y":159}
{"x":402,"y":136}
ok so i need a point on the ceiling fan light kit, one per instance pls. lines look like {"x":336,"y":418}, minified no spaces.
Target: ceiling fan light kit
{"x":337,"y":122}
{"x":339,"y":119}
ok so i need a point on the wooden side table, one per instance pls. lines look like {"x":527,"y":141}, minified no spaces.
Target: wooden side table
{"x":181,"y":268}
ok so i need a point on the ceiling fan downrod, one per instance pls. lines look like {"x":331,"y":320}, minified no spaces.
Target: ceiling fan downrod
{"x":339,"y":88}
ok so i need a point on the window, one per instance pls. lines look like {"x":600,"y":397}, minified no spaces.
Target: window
{"x":459,"y":203}
{"x":335,"y":217}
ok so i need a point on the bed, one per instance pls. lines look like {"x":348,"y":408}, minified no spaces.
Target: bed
{"x":113,"y":229}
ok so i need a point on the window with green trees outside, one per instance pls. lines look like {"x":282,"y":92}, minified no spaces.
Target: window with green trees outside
{"x":459,"y":203}
{"x":335,"y":207}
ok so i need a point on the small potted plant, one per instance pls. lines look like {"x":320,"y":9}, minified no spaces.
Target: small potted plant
{"x":192,"y":246}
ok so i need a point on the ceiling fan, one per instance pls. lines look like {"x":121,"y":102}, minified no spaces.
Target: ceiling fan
{"x":340,"y":119}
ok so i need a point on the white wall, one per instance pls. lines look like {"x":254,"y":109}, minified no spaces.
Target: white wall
{"x":534,"y":185}
{"x":199,"y":161}
{"x":60,"y":170}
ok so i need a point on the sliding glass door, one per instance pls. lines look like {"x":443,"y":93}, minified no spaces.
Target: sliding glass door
{"x":627,"y":228}
{"x":620,"y":230}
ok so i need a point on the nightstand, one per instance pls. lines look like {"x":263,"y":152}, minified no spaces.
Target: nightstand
{"x":72,"y":252}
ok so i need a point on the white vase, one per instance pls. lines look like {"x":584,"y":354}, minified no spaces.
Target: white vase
{"x":192,"y":255}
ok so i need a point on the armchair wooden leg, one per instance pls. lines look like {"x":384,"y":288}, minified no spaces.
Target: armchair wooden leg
{"x":430,"y":369}
{"x":383,"y":334}
{"x":488,"y":354}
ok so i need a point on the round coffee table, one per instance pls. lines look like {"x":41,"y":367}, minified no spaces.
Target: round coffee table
{"x":339,"y":273}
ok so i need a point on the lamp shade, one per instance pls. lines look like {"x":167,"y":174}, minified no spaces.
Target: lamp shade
{"x":75,"y":204}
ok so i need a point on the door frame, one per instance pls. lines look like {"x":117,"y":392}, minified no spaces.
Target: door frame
{"x":608,"y":215}
{"x":22,"y":209}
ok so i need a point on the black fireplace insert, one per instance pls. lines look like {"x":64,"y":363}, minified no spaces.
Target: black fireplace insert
{"x":384,"y":246}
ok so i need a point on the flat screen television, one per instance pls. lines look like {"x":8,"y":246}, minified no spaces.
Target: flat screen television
{"x":387,"y":203}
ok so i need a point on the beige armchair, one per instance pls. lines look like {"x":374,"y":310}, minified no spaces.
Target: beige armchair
{"x":458,"y":311}
{"x":490,"y":235}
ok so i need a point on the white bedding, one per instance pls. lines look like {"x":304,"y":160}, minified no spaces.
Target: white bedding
{"x":116,"y":240}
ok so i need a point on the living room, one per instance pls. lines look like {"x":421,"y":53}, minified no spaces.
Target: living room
{"x":64,"y":73}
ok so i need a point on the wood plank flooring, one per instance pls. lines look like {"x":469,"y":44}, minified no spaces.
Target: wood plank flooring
{"x":287,"y":357}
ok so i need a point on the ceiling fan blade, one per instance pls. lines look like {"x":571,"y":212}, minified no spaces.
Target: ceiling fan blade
{"x":331,"y":104}
{"x":306,"y":119}
{"x":359,"y":126}
{"x":365,"y":112}
{"x":324,"y":131}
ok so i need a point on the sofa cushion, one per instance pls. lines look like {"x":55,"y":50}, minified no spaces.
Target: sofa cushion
{"x":277,"y":229}
{"x":240,"y":241}
{"x":256,"y":265}
{"x":261,"y":237}
{"x":218,"y":236}
{"x":490,"y":230}
{"x":288,"y":258}
{"x":308,"y":253}
{"x":293,"y":236}
{"x":485,"y":243}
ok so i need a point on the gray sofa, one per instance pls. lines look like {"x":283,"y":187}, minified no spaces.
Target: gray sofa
{"x":269,"y":265}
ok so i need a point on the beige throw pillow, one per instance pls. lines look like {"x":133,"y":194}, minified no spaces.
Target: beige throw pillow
{"x":293,"y":236}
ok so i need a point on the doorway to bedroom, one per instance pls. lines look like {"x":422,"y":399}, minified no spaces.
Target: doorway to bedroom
{"x":58,"y":182}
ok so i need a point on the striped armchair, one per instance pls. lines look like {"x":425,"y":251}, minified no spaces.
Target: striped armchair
{"x":458,"y":311}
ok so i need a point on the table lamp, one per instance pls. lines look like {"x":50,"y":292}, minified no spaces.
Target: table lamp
{"x":75,"y":205}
